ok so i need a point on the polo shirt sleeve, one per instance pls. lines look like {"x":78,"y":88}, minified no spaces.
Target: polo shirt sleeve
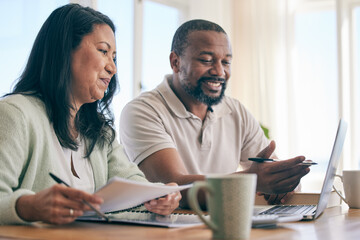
{"x":142,"y":131}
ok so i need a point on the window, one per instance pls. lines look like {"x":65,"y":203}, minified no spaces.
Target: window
{"x":155,"y":24}
{"x":159,"y":25}
{"x":21,"y":20}
{"x":348,"y":35}
{"x":324,"y":82}
{"x":122,"y":14}
{"x":144,"y":32}
{"x":357,"y":84}
{"x":314,"y":85}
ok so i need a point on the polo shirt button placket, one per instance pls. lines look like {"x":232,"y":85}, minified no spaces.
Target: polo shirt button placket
{"x":206,"y":138}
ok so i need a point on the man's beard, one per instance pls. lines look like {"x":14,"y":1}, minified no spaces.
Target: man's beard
{"x":199,"y":94}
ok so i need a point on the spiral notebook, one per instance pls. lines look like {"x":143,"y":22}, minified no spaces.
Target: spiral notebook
{"x":174,"y":220}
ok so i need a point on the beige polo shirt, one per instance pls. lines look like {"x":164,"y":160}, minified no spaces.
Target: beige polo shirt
{"x":158,"y":120}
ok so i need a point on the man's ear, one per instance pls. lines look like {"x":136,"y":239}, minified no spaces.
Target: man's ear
{"x":174,"y":62}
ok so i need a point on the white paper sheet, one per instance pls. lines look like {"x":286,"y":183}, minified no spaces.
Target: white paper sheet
{"x":119,"y":193}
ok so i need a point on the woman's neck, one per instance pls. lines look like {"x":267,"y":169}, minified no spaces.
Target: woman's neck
{"x":73,"y":131}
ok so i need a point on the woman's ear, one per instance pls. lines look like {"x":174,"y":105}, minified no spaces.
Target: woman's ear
{"x":174,"y":62}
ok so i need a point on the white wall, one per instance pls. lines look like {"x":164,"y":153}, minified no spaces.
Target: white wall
{"x":218,"y":11}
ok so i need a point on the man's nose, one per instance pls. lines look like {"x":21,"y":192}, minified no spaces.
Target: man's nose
{"x":217,"y":69}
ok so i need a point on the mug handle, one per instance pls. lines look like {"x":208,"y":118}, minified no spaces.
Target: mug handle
{"x":194,"y":204}
{"x":338,"y":192}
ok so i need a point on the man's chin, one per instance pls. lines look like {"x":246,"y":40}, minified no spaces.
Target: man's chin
{"x":208,"y":97}
{"x":214,"y":96}
{"x":211,"y":101}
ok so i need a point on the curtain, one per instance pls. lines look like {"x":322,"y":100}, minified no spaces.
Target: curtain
{"x":260,"y":60}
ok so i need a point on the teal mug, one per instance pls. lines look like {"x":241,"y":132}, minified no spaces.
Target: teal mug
{"x":230,"y":202}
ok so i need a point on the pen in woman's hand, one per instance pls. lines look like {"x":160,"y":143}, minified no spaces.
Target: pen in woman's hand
{"x":100,"y":214}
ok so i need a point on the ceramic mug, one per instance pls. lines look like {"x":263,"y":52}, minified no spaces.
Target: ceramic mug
{"x":351,"y":184}
{"x":230,"y":203}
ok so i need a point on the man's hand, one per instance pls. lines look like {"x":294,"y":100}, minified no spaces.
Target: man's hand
{"x":278,"y":177}
{"x":273,"y":199}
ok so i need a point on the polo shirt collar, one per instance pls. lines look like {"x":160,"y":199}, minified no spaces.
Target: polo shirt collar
{"x":178,"y":108}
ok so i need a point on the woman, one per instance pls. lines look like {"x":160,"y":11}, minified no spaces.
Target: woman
{"x":57,"y":119}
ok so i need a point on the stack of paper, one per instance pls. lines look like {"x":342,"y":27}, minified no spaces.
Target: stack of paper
{"x":120,"y":194}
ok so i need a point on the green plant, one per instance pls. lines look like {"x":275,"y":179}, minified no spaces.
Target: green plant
{"x":266,"y":131}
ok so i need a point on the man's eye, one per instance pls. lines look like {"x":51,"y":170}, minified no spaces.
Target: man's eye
{"x":205,"y":60}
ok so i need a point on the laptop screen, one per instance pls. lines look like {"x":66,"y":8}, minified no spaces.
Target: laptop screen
{"x":332,"y":166}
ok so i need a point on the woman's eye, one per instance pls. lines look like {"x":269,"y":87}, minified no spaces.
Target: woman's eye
{"x":103,"y":51}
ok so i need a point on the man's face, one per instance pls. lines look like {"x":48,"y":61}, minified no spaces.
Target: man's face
{"x":205,"y":66}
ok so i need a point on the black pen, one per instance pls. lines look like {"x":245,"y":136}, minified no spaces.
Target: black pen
{"x":259,"y":159}
{"x":100,"y":214}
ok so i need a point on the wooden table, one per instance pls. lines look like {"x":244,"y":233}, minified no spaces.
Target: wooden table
{"x":335,"y":223}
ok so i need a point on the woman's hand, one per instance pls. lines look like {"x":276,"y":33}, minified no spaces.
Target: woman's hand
{"x":165,"y":205}
{"x":57,"y":205}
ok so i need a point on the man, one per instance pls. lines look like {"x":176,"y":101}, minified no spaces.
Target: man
{"x":186,"y":127}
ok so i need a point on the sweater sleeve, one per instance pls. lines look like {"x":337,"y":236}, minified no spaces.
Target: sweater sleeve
{"x":14,"y":146}
{"x":119,"y":165}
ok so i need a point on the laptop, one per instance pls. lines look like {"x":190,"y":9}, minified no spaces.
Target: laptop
{"x":310,"y":212}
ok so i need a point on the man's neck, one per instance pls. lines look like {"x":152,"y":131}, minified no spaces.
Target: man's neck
{"x":199,"y":110}
{"x":192,"y":105}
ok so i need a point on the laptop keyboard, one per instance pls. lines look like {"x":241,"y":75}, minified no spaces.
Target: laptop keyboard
{"x":289,"y":209}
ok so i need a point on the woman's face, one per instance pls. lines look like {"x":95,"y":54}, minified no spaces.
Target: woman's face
{"x":93,"y":65}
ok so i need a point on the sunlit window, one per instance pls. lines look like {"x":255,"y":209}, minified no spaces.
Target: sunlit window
{"x":157,"y":29}
{"x":159,"y":25}
{"x":20,"y":20}
{"x":314,"y":90}
{"x":122,"y":14}
{"x":357,"y":84}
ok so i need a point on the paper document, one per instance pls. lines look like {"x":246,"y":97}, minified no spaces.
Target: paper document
{"x":120,"y":194}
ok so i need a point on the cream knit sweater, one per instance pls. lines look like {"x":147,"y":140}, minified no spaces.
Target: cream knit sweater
{"x":28,"y":152}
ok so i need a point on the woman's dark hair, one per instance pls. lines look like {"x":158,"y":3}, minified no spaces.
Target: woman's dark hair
{"x":47,"y":75}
